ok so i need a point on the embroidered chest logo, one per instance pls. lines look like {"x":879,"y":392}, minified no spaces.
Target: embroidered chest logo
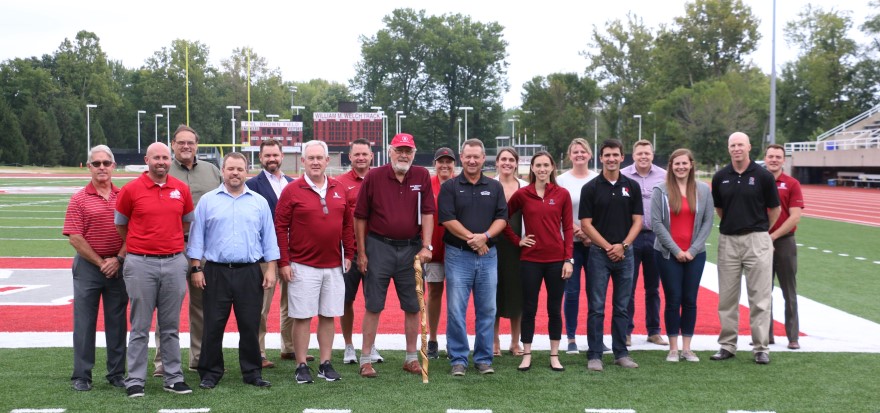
{"x":552,"y":202}
{"x":336,"y":195}
{"x":624,"y":191}
{"x":350,"y":188}
{"x":752,"y":180}
{"x":415,"y":188}
{"x":485,"y":193}
{"x":175,"y":194}
{"x":782,"y":185}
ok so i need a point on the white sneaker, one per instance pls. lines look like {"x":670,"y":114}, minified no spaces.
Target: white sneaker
{"x":690,"y":356}
{"x":349,"y":357}
{"x":672,"y":357}
{"x":375,"y":357}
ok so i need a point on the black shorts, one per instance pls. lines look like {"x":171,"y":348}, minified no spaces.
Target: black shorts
{"x":386,"y":262}
{"x":352,"y":280}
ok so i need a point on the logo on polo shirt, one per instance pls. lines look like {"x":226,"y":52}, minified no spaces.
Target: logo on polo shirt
{"x":624,"y":191}
{"x":350,"y":188}
{"x":752,"y":180}
{"x":336,"y":195}
{"x":415,"y":188}
{"x":552,"y":201}
{"x":175,"y":194}
{"x":782,"y":185}
{"x":485,"y":193}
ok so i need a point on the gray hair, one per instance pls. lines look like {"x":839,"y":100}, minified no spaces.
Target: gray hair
{"x":101,"y":148}
{"x":314,"y":142}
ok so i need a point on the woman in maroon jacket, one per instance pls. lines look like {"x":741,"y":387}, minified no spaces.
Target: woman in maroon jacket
{"x":546,"y":251}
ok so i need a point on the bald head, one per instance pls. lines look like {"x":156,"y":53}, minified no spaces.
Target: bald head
{"x":158,"y":160}
{"x":738,"y":146}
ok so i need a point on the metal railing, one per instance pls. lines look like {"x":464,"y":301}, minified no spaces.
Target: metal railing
{"x":865,"y":142}
{"x":842,"y":127}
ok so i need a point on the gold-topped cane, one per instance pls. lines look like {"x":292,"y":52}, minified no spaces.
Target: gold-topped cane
{"x":420,"y":292}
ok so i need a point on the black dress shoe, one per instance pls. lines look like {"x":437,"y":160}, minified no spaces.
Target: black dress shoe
{"x":82,"y":385}
{"x":207,"y":384}
{"x":722,"y":355}
{"x":117,"y":381}
{"x":259,"y":382}
{"x":762,"y":358}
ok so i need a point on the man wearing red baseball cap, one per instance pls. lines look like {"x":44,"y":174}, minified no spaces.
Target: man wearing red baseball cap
{"x":394,"y":220}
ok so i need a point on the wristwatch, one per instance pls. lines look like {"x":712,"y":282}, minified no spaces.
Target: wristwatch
{"x":428,"y":247}
{"x":625,"y":245}
{"x":195,"y":269}
{"x":570,"y":261}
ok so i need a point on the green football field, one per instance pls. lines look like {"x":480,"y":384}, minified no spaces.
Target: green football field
{"x":38,"y":378}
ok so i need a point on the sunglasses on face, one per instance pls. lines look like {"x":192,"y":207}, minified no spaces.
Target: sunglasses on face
{"x":98,"y":164}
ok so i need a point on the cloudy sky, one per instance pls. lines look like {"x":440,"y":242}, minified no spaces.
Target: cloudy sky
{"x":319,"y":39}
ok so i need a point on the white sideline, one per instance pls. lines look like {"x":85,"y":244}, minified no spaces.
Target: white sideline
{"x":326,"y":411}
{"x":609,"y":411}
{"x":468,"y":411}
{"x":828,"y":330}
{"x":199,"y":410}
{"x":37,"y":410}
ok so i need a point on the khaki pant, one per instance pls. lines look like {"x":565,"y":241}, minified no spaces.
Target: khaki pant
{"x":750,"y":255}
{"x":286,"y":322}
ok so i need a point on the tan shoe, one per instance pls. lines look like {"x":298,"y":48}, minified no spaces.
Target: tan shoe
{"x":267,"y":364}
{"x":368,"y":371}
{"x":629,"y":340}
{"x":626,"y":362}
{"x":595,"y":365}
{"x":413,"y":367}
{"x":658,"y":340}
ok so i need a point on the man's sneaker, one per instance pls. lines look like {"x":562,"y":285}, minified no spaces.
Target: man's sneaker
{"x":572,"y":348}
{"x":374,"y":355}
{"x":179,"y":388}
{"x":595,"y":365}
{"x":135,"y":391}
{"x":458,"y":370}
{"x":433,"y":350}
{"x":626,"y":362}
{"x":349,"y":357}
{"x":484,"y":368}
{"x":303,"y":374}
{"x":326,"y":372}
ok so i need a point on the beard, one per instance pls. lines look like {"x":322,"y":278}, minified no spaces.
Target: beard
{"x":401,"y":167}
{"x":271,"y":167}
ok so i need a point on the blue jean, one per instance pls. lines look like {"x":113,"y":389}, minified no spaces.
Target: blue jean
{"x":600,"y":270}
{"x":643,"y":254}
{"x":572,"y":303}
{"x":681,"y":282}
{"x":466,"y":272}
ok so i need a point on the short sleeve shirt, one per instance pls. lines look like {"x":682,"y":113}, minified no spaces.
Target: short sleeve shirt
{"x":790,"y":196}
{"x":391,"y":207}
{"x":476,"y":206}
{"x":744,"y":198}
{"x":90,"y":215}
{"x":154,"y":214}
{"x":611,"y":206}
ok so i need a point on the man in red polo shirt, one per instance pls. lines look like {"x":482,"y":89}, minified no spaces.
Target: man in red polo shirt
{"x":784,"y":245}
{"x":312,"y":220}
{"x":361,"y":156}
{"x":99,"y":255}
{"x":394,"y":220}
{"x":152,"y":214}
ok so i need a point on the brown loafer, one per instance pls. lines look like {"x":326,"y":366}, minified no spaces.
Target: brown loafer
{"x":413,"y":367}
{"x":658,"y":340}
{"x":722,"y":355}
{"x":160,"y":372}
{"x":288,"y":356}
{"x":368,"y":371}
{"x":267,"y":364}
{"x":794,"y":345}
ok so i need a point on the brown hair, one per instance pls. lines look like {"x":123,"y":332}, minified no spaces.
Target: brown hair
{"x":271,"y":142}
{"x":184,"y":128}
{"x":532,"y":177}
{"x":774,"y":146}
{"x":642,"y":142}
{"x":672,"y":184}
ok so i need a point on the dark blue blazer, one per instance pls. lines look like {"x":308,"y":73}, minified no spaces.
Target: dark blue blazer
{"x":260,"y":184}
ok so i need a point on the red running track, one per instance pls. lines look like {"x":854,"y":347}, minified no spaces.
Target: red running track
{"x":846,"y":204}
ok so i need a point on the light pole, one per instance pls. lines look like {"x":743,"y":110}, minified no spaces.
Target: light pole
{"x":465,"y":109}
{"x":273,"y":117}
{"x":397,"y":121}
{"x":400,"y":125}
{"x":654,"y":131}
{"x":233,"y":108}
{"x":459,"y":137}
{"x":513,"y":121}
{"x":378,"y":110}
{"x":292,"y":92}
{"x":596,"y":110}
{"x":250,"y":113}
{"x":89,"y":107}
{"x":297,"y":109}
{"x":156,"y":126}
{"x":168,"y":121}
{"x":139,"y":129}
{"x":526,"y":130}
{"x":639,"y":117}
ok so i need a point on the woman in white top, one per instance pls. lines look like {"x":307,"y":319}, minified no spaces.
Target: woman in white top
{"x":509,"y":298}
{"x":573,"y":180}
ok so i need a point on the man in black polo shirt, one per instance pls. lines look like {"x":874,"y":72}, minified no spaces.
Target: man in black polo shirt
{"x":473,"y":209}
{"x":611,"y":215}
{"x":747,"y":202}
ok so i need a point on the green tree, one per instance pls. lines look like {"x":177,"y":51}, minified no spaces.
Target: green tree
{"x":13,"y":147}
{"x":561,"y":105}
{"x":41,"y":133}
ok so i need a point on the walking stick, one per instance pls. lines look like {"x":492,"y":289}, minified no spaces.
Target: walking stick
{"x":423,"y":316}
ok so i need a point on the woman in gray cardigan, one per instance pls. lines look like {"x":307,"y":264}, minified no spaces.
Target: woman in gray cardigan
{"x":681,"y":216}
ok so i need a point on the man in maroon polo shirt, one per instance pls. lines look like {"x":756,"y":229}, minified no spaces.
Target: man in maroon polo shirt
{"x":100,"y":252}
{"x":394,"y":220}
{"x":152,"y":214}
{"x":312,"y":220}
{"x":361,"y":156}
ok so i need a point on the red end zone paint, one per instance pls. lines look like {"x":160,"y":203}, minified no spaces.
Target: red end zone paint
{"x":35,"y":263}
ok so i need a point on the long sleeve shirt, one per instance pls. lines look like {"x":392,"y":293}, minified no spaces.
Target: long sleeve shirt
{"x":548,"y":219}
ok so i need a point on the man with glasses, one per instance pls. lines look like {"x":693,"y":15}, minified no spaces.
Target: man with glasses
{"x":394,"y":220}
{"x":97,"y":272}
{"x":315,"y":236}
{"x":200,"y":177}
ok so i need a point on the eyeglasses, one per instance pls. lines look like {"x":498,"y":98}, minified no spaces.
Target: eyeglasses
{"x":185,"y":143}
{"x":404,"y":150}
{"x":324,"y":206}
{"x":106,"y":164}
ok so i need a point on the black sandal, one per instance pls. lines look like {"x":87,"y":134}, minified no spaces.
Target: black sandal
{"x":556,"y":368}
{"x":526,"y":368}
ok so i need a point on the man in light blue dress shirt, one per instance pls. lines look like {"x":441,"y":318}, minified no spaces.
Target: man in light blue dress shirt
{"x":233,"y":231}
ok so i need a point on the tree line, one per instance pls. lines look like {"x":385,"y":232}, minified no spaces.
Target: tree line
{"x":689,"y":82}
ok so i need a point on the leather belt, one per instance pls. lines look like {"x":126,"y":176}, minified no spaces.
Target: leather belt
{"x":232,"y":264}
{"x":160,"y":256}
{"x":396,"y":242}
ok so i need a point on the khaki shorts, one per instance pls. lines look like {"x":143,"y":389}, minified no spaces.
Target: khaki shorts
{"x":434,"y":272}
{"x":315,"y":291}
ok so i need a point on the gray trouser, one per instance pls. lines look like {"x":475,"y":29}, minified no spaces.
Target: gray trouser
{"x":90,"y":286}
{"x":154,"y":284}
{"x":785,"y":270}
